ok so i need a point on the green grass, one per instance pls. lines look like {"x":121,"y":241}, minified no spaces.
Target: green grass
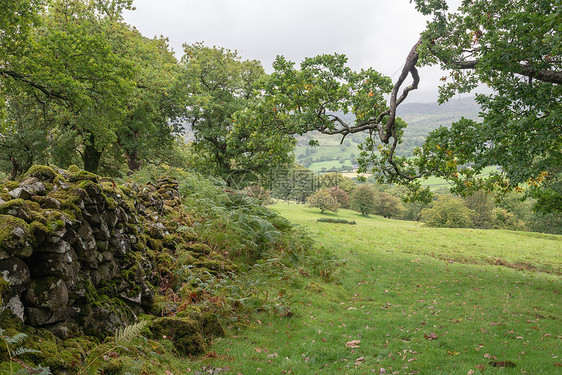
{"x":414,"y":300}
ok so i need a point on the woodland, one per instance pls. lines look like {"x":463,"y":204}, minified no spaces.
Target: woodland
{"x":127,"y":246}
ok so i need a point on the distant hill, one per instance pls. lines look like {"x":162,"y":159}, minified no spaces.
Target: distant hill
{"x":421,"y":118}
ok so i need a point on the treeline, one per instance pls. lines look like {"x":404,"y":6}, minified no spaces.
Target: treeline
{"x":80,"y":86}
{"x":482,"y":210}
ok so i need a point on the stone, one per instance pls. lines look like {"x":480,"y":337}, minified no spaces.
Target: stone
{"x":36,"y":316}
{"x":184,"y":332}
{"x":64,"y":313}
{"x":14,"y":271}
{"x":15,"y":306}
{"x":20,"y":193}
{"x":15,"y":237}
{"x":60,"y":247}
{"x":50,"y":203}
{"x":53,"y":264}
{"x":48,"y":293}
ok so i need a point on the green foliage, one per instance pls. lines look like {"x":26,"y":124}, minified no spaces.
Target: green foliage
{"x":88,"y":87}
{"x":238,"y":145}
{"x":503,"y":219}
{"x":448,"y":212}
{"x":340,"y":195}
{"x":482,"y":204}
{"x":293,"y":182}
{"x":324,"y":200}
{"x":514,"y":48}
{"x":335,"y":221}
{"x":363,"y":200}
{"x":10,"y":343}
{"x":387,"y":205}
{"x":334,"y":179}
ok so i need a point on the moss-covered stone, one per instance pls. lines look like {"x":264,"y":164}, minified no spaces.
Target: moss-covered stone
{"x":200,"y":248}
{"x":15,"y":237}
{"x":184,"y":332}
{"x":84,"y":176}
{"x":42,"y":172}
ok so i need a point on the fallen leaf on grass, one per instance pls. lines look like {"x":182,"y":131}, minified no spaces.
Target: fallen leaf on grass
{"x":352,"y":344}
{"x":431,"y":336}
{"x":502,"y":364}
{"x":359,"y":361}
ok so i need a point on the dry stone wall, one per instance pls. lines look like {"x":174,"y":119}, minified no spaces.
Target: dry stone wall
{"x":77,"y":251}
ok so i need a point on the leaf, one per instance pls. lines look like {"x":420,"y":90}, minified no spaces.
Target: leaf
{"x":352,"y":344}
{"x":432,"y":336}
{"x":359,"y":361}
{"x":502,"y":364}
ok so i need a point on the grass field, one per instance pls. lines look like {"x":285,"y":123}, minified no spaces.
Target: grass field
{"x":409,"y":300}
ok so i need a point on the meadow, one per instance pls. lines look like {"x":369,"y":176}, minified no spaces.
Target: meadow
{"x":405,"y":299}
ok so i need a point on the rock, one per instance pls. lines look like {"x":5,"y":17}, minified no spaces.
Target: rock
{"x":36,"y":316}
{"x":50,"y":203}
{"x":64,"y":313}
{"x":14,"y":271}
{"x":60,"y":247}
{"x":20,"y":192}
{"x":53,"y":264}
{"x":16,"y":307}
{"x":15,"y":237}
{"x":33,"y":186}
{"x":47,"y":293}
{"x":42,"y":173}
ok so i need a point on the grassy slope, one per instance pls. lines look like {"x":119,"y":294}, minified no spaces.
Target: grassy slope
{"x":419,"y":300}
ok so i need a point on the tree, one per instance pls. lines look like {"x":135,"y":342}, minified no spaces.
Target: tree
{"x":70,"y":66}
{"x":482,"y":204}
{"x":334,"y":179}
{"x":448,"y":211}
{"x":157,"y":101}
{"x":363,"y":200}
{"x":102,"y":86}
{"x":514,"y":47}
{"x":387,"y":205}
{"x":222,"y":88}
{"x":324,"y":200}
{"x":340,"y":196}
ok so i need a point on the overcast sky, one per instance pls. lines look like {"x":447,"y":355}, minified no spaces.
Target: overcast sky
{"x":372,"y":33}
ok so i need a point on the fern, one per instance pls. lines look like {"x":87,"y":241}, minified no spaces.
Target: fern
{"x":21,"y":351}
{"x":18,"y":339}
{"x":124,"y":335}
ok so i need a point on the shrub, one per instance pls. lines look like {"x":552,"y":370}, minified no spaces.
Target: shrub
{"x":448,"y":212}
{"x":363,"y":200}
{"x":482,"y":204}
{"x":335,"y":221}
{"x":387,"y":205}
{"x":503,"y":219}
{"x":324,"y":200}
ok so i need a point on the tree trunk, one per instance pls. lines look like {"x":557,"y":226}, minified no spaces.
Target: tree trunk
{"x":16,"y":168}
{"x":133,"y":160}
{"x":91,"y":156}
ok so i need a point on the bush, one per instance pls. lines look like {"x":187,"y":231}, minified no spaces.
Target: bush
{"x":482,"y":204}
{"x":503,"y":219}
{"x":448,"y":212}
{"x":324,"y":200}
{"x":335,"y":221}
{"x":388,"y":205}
{"x":363,"y":200}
